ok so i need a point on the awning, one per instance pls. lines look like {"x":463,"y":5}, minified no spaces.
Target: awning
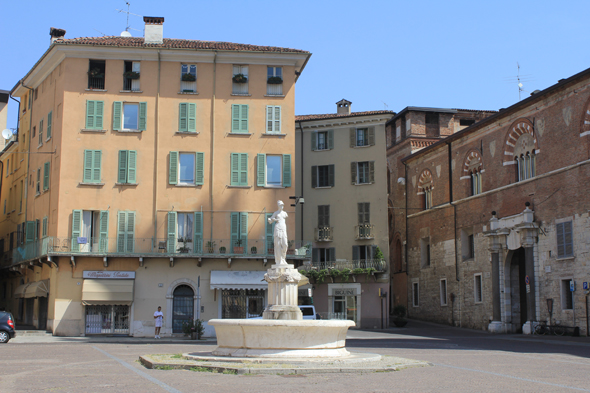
{"x":115,"y":292}
{"x":37,"y":289}
{"x":19,"y":292}
{"x":238,"y":280}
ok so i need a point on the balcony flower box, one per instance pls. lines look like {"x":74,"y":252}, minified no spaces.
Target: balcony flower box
{"x":131,"y":75}
{"x":240,"y":78}
{"x":188,"y":78}
{"x":274,"y":80}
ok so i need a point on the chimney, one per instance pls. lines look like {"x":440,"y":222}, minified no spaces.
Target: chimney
{"x":343,"y":107}
{"x":154,"y":30}
{"x":56,"y":33}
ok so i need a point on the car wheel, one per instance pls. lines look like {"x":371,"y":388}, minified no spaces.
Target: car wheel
{"x":4,"y":336}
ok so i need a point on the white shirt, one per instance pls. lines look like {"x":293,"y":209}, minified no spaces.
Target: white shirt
{"x":159,"y":314}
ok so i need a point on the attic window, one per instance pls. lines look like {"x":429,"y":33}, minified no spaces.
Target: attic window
{"x":431,"y":118}
{"x":466,"y":122}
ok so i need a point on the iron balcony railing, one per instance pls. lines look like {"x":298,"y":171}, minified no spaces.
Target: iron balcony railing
{"x":364,"y":231}
{"x":377,"y":264}
{"x":324,"y":234}
{"x":130,"y":84}
{"x":127,"y":245}
{"x":96,"y":82}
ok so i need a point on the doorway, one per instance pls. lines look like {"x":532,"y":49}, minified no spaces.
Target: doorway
{"x":183,"y":307}
{"x":518,"y":293}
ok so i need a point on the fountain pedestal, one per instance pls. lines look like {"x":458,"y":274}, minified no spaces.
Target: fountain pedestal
{"x":283,"y":281}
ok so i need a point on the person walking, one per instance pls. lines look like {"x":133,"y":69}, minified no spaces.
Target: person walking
{"x":158,"y":316}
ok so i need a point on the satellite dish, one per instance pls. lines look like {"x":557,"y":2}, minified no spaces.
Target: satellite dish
{"x":7,"y":134}
{"x":126,"y":34}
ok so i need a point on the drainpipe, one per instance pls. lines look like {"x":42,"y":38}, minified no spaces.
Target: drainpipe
{"x":406,"y":239}
{"x":29,"y":154}
{"x":454,"y":219}
{"x":156,"y":135}
{"x":302,"y":172}
{"x":212,"y":144}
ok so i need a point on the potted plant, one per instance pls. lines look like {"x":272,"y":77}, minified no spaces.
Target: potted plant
{"x":399,"y":313}
{"x":274,"y":80}
{"x":131,"y":75}
{"x":210,"y":246}
{"x":240,"y":78}
{"x":290,"y":249}
{"x":188,"y":78}
{"x":253,"y":250}
{"x":222,"y":250}
{"x":379,"y":263}
{"x":95,"y":73}
{"x":238,"y":249}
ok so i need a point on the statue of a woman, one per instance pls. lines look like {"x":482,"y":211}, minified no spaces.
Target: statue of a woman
{"x":280,"y":234}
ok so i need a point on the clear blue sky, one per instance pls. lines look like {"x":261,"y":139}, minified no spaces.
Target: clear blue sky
{"x":449,"y":54}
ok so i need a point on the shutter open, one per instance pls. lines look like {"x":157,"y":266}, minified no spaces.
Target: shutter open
{"x":183,"y":117}
{"x":235,"y":169}
{"x":132,"y":167}
{"x":46,"y":176}
{"x":269,"y":119}
{"x":88,"y":160}
{"x":244,"y":231}
{"x":277,"y":119}
{"x":235,"y":229}
{"x":353,"y":137}
{"x":353,"y":168}
{"x":121,"y":231}
{"x":198,"y":231}
{"x":314,"y":141}
{"x":44,"y":232}
{"x":261,"y":170}
{"x":130,"y":235}
{"x":192,"y":117}
{"x":173,"y":169}
{"x":330,"y":139}
{"x":314,"y":176}
{"x":568,"y":239}
{"x":199,"y":168}
{"x":142,"y":116}
{"x":49,"y":124}
{"x":76,"y":229}
{"x":371,"y":171}
{"x":122,"y":174}
{"x":286,"y":170}
{"x":96,"y":163}
{"x":331,"y":175}
{"x":103,"y":244}
{"x":117,"y":115}
{"x":243,"y":169}
{"x":355,"y":253}
{"x":371,"y":132}
{"x":90,"y":108}
{"x":171,"y":244}
{"x":331,"y":257}
{"x":315,"y":255}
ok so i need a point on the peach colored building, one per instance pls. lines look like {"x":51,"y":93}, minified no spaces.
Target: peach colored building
{"x":154,"y":165}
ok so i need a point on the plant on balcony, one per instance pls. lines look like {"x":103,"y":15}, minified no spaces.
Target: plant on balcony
{"x":238,"y":249}
{"x":239,"y":78}
{"x":274,"y":80}
{"x":131,"y":75}
{"x":95,"y":73}
{"x":210,"y":246}
{"x":399,"y":313}
{"x":222,"y":250}
{"x":183,"y":249}
{"x":188,"y":78}
{"x":345,"y":274}
{"x":253,"y":250}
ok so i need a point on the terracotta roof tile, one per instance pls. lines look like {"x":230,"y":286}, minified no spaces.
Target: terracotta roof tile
{"x":338,"y":115}
{"x":172,"y":43}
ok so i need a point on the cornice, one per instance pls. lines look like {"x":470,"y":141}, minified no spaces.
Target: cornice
{"x":347,"y":121}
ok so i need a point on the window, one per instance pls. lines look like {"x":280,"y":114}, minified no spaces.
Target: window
{"x":34,"y":132}
{"x":92,"y":164}
{"x":431,"y":118}
{"x":188,"y":78}
{"x":322,"y":176}
{"x":526,"y":166}
{"x":90,"y":230}
{"x":425,"y":252}
{"x":127,"y":173}
{"x":240,"y":79}
{"x":415,"y":294}
{"x":7,"y":167}
{"x":467,"y":244}
{"x":362,"y":172}
{"x":46,"y":172}
{"x":239,"y":118}
{"x":565,"y":242}
{"x":94,"y":115}
{"x":49,"y":124}
{"x":466,"y":122}
{"x":41,"y":132}
{"x":242,"y":303}
{"x":239,"y":232}
{"x":398,"y":134}
{"x":362,"y":137}
{"x":96,"y":73}
{"x":126,"y":232}
{"x":185,"y":232}
{"x":324,"y":254}
{"x":131,"y":76}
{"x":129,"y":116}
{"x":476,"y":182}
{"x":364,"y":213}
{"x":239,"y":169}
{"x":186,"y":168}
{"x":187,"y":117}
{"x":567,"y":298}
{"x":443,"y":292}
{"x":38,"y":184}
{"x":273,"y":170}
{"x":273,"y":119}
{"x":274,"y":81}
{"x":363,"y":253}
{"x":477,"y":288}
{"x":322,"y":140}
{"x":323,"y":216}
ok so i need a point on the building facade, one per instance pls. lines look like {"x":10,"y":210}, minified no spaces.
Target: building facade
{"x":153,"y":167}
{"x":341,"y":175}
{"x":497,"y":217}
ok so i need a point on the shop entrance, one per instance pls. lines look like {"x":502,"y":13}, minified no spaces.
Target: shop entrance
{"x":183,"y":307}
{"x":107,"y":319}
{"x":518,"y":295}
{"x":345,"y":307}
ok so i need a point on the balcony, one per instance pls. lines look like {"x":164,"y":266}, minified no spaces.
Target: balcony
{"x":324,"y":234}
{"x":377,"y":264}
{"x":150,"y":247}
{"x":96,"y":83}
{"x":364,"y":232}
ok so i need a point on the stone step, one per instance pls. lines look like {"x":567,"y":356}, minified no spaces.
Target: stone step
{"x":40,"y":333}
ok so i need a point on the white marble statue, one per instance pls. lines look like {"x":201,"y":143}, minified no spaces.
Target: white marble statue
{"x":280,"y":234}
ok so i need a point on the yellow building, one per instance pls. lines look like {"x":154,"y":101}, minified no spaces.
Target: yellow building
{"x":154,"y":165}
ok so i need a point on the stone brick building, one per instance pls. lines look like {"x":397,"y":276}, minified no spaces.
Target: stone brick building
{"x":497,"y":216}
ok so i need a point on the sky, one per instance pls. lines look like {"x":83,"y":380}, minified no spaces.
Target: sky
{"x":377,"y":54}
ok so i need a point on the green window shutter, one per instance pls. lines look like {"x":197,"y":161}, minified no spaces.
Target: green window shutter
{"x":103,"y":242}
{"x":121,"y":231}
{"x":198,"y":241}
{"x":314,"y":176}
{"x":173,"y":170}
{"x":142,"y":116}
{"x":314,"y":141}
{"x":183,"y":117}
{"x":44,"y":233}
{"x":235,"y":118}
{"x":30,"y":233}
{"x":122,"y":176}
{"x":261,"y":170}
{"x":244,"y":230}
{"x":76,"y":229}
{"x":269,"y":234}
{"x":130,"y":238}
{"x":96,"y":163}
{"x":46,"y":176}
{"x":171,"y":244}
{"x":235,"y":166}
{"x":90,"y":105}
{"x":200,"y":168}
{"x":277,"y":119}
{"x":192,"y":117}
{"x":132,"y":167}
{"x":330,"y":139}
{"x":49,"y":122}
{"x":88,"y":160}
{"x":98,"y":114}
{"x":117,"y":115}
{"x":235,"y":229}
{"x":243,"y":169}
{"x":126,"y":232}
{"x":244,"y":118}
{"x":286,"y":170}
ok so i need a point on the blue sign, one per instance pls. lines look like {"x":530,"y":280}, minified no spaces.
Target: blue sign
{"x":585,"y":285}
{"x":526,"y":280}
{"x":572,"y":286}
{"x":82,"y":240}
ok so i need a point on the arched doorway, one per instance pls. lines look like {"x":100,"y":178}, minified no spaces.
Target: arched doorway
{"x":182,"y":307}
{"x":518,"y":293}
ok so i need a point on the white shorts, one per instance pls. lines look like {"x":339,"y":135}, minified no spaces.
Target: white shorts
{"x":158,"y":323}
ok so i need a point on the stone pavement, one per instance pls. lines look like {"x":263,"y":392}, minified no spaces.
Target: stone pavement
{"x":464,"y":361}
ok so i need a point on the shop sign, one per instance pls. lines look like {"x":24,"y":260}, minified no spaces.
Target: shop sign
{"x":344,"y":292}
{"x":108,"y":274}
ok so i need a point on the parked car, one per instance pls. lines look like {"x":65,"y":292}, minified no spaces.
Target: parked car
{"x":307,"y":311}
{"x":6,"y":327}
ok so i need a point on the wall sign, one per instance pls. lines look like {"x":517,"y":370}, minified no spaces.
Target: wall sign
{"x":108,"y":274}
{"x":344,"y":292}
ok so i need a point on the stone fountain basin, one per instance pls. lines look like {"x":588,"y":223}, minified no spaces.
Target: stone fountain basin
{"x":281,"y":338}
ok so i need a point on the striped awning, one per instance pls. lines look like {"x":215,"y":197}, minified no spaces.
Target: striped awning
{"x":37,"y":289}
{"x":238,"y":280}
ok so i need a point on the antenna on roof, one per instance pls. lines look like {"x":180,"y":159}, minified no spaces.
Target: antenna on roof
{"x":103,"y":34}
{"x":385,"y":106}
{"x":519,"y":79}
{"x":126,"y":33}
{"x":519,"y":82}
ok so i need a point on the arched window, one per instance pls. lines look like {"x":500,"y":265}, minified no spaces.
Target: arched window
{"x":472,"y":171}
{"x":425,"y":187}
{"x":183,"y":307}
{"x":521,"y":143}
{"x":475,"y":182}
